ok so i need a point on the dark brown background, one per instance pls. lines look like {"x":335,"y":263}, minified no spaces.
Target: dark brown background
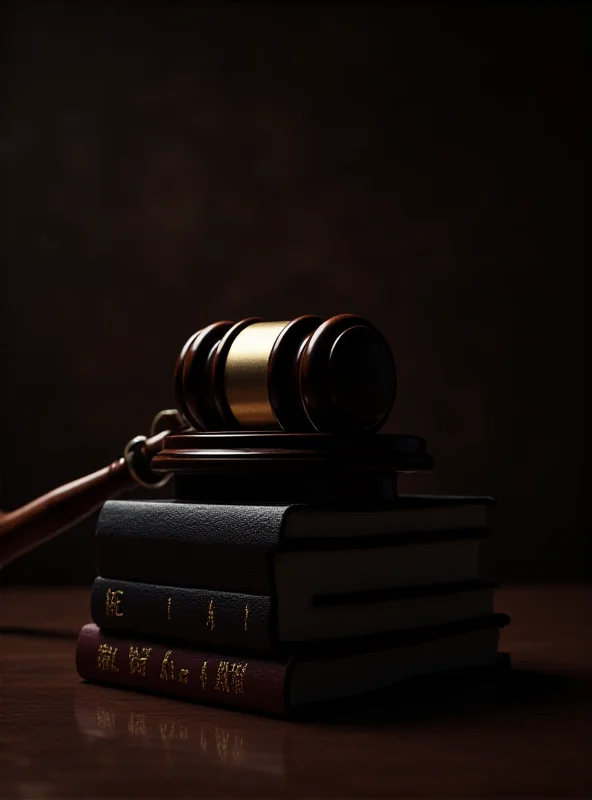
{"x":167,"y":165}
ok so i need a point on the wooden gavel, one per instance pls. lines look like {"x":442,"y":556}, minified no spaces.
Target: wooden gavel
{"x":304,"y":376}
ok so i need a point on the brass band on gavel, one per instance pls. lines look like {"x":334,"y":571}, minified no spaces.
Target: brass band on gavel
{"x":246,"y":376}
{"x":301,"y":375}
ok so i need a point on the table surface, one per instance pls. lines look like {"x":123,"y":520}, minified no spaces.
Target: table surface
{"x":526,"y":734}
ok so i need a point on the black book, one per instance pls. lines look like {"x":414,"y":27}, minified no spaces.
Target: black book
{"x":293,"y":551}
{"x":259,"y":624}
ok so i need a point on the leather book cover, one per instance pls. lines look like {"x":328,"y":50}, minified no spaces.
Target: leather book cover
{"x":186,"y":544}
{"x":249,"y":684}
{"x":240,"y":682}
{"x":224,"y":547}
{"x":243,"y":622}
{"x":231,"y":620}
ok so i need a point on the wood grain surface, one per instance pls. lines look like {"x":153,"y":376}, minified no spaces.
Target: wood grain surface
{"x":526,"y":735}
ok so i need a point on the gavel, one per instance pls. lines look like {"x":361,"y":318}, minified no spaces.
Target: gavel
{"x":303,"y":375}
{"x":300,"y":393}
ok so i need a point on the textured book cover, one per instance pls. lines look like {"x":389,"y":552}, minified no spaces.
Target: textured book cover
{"x":237,"y":547}
{"x":256,"y":624}
{"x":281,"y":687}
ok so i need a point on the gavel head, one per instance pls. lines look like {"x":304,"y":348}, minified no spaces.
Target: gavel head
{"x":306,"y":375}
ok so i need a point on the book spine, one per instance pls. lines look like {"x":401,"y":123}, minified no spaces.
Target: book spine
{"x":226,"y":548}
{"x":212,"y":619}
{"x":134,"y":663}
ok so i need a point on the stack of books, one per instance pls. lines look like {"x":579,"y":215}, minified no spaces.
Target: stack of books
{"x":274,"y":608}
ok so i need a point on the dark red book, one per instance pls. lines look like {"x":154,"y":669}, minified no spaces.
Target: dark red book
{"x":284,"y":687}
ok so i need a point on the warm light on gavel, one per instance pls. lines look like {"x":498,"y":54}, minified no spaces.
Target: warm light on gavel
{"x":307,"y":375}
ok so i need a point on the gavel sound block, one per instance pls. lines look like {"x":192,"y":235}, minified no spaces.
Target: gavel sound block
{"x":267,"y":412}
{"x":290,"y":467}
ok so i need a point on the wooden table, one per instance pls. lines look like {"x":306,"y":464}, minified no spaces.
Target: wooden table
{"x":526,"y":735}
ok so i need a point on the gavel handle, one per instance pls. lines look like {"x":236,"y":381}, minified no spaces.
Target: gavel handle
{"x":27,"y":527}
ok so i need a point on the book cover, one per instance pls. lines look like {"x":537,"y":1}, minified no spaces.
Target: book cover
{"x":280,"y":687}
{"x":258,"y":624}
{"x":239,"y":548}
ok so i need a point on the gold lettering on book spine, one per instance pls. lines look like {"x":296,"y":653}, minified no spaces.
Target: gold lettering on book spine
{"x":246,"y":616}
{"x":237,"y":677}
{"x":113,"y":600}
{"x":106,"y":658}
{"x":167,"y":667}
{"x":137,"y":661}
{"x":222,"y":684}
{"x":230,"y":677}
{"x":169,"y":607}
{"x":204,"y":674}
{"x":210,"y":623}
{"x":183,"y":675}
